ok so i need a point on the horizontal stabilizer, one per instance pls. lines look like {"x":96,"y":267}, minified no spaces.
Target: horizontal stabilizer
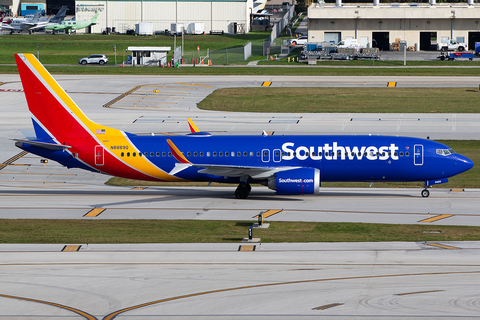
{"x":45,"y":145}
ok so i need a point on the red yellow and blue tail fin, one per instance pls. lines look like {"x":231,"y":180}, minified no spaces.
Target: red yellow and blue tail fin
{"x":59,"y":121}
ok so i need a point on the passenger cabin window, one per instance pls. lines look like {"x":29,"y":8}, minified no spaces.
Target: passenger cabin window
{"x":152,"y":154}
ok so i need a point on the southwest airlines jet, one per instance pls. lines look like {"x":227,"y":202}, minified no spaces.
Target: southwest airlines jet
{"x":286,"y":164}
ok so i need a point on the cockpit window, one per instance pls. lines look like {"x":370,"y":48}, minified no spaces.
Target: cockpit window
{"x":445,"y":152}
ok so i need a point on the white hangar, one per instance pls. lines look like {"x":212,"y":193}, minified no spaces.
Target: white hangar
{"x":216,"y":15}
{"x":419,"y":24}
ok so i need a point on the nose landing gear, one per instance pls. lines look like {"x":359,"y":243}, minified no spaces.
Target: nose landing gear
{"x":425,"y":193}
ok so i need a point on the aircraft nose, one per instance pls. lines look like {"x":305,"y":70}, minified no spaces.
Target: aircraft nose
{"x":463,"y":163}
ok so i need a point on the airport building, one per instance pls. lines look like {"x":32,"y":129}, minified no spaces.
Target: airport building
{"x":416,"y":24}
{"x":217,"y":16}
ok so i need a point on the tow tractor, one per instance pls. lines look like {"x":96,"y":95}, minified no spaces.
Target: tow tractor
{"x":452,"y":56}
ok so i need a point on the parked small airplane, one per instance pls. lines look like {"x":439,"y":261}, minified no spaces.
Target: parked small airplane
{"x":68,"y":26}
{"x":35,"y":23}
{"x":259,"y":6}
{"x":22,"y":24}
{"x":286,"y":164}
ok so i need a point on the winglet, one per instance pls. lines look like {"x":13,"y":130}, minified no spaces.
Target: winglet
{"x":193,"y":127}
{"x":176,"y":152}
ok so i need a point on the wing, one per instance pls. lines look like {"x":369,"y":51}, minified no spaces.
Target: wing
{"x":254,"y":172}
{"x":240,"y":171}
{"x":193,"y":127}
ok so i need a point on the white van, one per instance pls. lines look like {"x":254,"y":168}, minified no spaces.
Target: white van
{"x":348,"y":43}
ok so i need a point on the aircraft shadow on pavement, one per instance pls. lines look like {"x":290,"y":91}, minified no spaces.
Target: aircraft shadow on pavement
{"x":178,"y":193}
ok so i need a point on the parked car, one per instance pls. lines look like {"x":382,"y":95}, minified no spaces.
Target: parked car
{"x":299,"y":41}
{"x":94,"y":58}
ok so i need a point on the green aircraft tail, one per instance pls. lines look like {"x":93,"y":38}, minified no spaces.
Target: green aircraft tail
{"x":94,"y":18}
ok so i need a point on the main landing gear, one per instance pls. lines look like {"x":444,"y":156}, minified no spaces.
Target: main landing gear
{"x":242,"y":191}
{"x":425,"y":193}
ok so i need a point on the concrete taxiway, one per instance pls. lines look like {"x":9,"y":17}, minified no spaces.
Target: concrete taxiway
{"x":222,"y":281}
{"x":158,"y":104}
{"x":402,"y":280}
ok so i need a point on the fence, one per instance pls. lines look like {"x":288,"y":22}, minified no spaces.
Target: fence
{"x":278,"y":28}
{"x":240,"y":54}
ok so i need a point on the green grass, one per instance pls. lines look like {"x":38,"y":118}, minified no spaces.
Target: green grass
{"x":344,"y":100}
{"x":67,"y":49}
{"x":200,"y":231}
{"x":259,"y":71}
{"x":469,"y":179}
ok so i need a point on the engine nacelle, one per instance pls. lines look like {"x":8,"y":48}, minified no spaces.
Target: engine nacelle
{"x":296,"y":181}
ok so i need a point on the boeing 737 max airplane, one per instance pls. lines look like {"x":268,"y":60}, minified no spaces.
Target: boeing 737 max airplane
{"x":286,"y":164}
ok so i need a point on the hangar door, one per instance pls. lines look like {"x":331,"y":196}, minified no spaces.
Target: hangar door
{"x":472,"y":38}
{"x":333,"y":37}
{"x":381,"y":40}
{"x":428,"y":41}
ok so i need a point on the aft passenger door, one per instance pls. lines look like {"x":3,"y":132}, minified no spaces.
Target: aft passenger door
{"x":99,"y":156}
{"x":418,"y":155}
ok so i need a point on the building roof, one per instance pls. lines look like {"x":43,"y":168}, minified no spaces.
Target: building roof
{"x":156,"y":49}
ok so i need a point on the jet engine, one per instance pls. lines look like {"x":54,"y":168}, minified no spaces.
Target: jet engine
{"x":296,"y":181}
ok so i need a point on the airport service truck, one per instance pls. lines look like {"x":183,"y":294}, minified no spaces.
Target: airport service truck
{"x":451,"y":45}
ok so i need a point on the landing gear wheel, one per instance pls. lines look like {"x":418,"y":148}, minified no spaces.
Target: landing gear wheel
{"x":425,"y":193}
{"x":242,"y":191}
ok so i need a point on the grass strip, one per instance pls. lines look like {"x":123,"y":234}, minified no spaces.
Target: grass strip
{"x":469,"y":179}
{"x":260,"y":71}
{"x":201,"y":231}
{"x":344,"y":100}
